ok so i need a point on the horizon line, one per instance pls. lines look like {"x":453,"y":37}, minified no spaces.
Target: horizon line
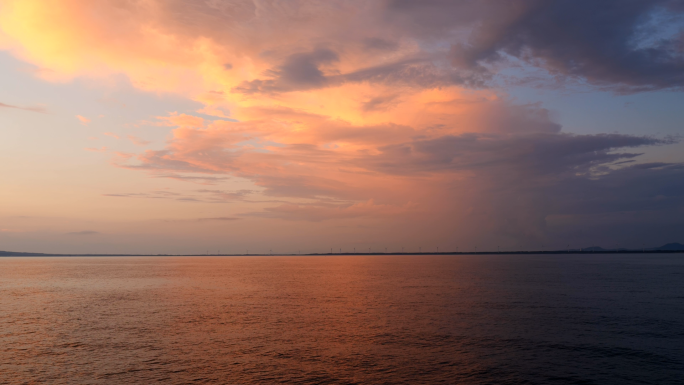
{"x":570,"y":251}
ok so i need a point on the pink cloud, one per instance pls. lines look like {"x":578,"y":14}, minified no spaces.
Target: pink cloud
{"x":92,"y":149}
{"x":83,"y":120}
{"x":137,"y":141}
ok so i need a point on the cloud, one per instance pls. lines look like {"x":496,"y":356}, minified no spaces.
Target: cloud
{"x":208,"y":180}
{"x":492,"y":170}
{"x":194,"y":48}
{"x":382,"y":102}
{"x":32,"y":109}
{"x":531,"y":153}
{"x":85,"y":232}
{"x":378,"y":44}
{"x":205,"y":196}
{"x":299,"y":71}
{"x":626,"y":45}
{"x":137,"y":141}
{"x":218,"y":219}
{"x":318,"y":213}
{"x":115,"y":136}
{"x":421,"y":72}
{"x":83,"y":120}
{"x":183,"y":120}
{"x":223,"y":196}
{"x":93,"y":149}
{"x":386,"y":110}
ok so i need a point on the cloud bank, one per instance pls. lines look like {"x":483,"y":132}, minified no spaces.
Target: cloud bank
{"x":347,"y":110}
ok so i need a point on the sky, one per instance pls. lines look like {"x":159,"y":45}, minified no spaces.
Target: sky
{"x":206,"y":126}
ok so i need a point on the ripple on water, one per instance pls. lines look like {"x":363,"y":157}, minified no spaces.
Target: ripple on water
{"x":353,"y":319}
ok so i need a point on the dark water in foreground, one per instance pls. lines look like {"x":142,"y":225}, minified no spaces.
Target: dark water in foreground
{"x":523,"y":319}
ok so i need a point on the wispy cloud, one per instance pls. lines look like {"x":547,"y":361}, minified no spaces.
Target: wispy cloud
{"x":32,"y":109}
{"x":137,"y":141}
{"x":93,"y":149}
{"x":85,"y":233}
{"x":219,"y":219}
{"x":203,"y":196}
{"x":83,"y":120}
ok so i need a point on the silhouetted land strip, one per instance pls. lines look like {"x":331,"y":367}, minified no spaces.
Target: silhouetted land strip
{"x":556,"y":252}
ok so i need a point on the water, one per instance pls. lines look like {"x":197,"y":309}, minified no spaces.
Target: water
{"x":517,"y":319}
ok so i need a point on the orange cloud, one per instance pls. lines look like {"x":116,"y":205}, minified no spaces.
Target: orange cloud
{"x":182,"y":120}
{"x":83,"y":119}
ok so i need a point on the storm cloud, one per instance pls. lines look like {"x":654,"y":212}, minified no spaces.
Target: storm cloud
{"x":630,"y":45}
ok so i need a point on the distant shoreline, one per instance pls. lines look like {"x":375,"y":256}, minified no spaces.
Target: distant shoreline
{"x":558,"y":252}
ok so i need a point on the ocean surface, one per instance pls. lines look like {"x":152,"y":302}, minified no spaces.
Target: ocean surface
{"x":486,"y":319}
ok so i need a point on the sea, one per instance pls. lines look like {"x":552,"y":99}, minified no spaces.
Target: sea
{"x":359,"y":319}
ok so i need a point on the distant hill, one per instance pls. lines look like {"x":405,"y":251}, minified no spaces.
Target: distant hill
{"x":18,"y":254}
{"x":670,"y":246}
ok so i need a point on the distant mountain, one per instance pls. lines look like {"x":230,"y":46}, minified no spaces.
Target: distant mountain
{"x":18,"y":254}
{"x":670,"y":246}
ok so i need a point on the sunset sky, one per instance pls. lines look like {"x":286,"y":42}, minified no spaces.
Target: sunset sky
{"x":187,"y":126}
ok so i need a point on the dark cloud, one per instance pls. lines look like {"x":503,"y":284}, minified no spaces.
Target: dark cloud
{"x":626,"y":45}
{"x":378,"y":44}
{"x":549,"y":187}
{"x":300,"y":71}
{"x":622,"y":206}
{"x":379,"y":103}
{"x":421,"y":72}
{"x":641,"y":187}
{"x":535,"y":153}
{"x":631,"y":45}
